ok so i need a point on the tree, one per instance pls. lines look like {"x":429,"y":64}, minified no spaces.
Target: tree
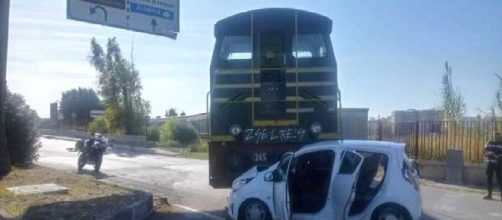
{"x":120,"y":87}
{"x":97,"y":125}
{"x":171,"y":113}
{"x":4,"y":36}
{"x":453,"y":102}
{"x":178,"y":131}
{"x":498,"y":96}
{"x":183,"y":113}
{"x":21,"y":132}
{"x":79,"y":102}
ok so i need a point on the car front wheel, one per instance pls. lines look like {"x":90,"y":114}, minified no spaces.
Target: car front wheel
{"x":390,"y":212}
{"x":254,"y":210}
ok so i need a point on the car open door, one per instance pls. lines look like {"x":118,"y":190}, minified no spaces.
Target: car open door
{"x":344,"y":183}
{"x":280,"y":186}
{"x":308,"y":185}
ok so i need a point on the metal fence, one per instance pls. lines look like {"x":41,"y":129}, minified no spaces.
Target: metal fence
{"x":430,"y":140}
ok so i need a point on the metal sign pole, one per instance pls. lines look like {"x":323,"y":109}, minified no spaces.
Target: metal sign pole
{"x":4,"y":36}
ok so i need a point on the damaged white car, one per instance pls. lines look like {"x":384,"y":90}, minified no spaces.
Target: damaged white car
{"x":331,"y":180}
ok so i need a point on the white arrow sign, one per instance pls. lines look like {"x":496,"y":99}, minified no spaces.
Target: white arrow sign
{"x":159,"y":17}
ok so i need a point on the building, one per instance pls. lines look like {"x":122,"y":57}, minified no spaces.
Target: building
{"x":406,"y":121}
{"x":355,"y":123}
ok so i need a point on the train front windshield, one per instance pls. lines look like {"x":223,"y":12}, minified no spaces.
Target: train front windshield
{"x":273,"y":87}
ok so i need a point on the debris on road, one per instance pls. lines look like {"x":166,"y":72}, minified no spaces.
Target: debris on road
{"x":49,"y":188}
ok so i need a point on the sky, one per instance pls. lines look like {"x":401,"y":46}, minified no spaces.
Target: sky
{"x":390,"y":54}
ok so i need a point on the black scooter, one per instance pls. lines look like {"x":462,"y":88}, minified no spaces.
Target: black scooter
{"x":90,"y":152}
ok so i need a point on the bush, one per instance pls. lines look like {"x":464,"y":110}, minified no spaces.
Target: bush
{"x":185,"y":134}
{"x":178,"y":131}
{"x":167,"y":130}
{"x":97,"y":125}
{"x":20,"y":130}
{"x":200,"y":146}
{"x":153,"y":134}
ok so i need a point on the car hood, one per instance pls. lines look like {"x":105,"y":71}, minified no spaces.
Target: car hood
{"x":253,"y":172}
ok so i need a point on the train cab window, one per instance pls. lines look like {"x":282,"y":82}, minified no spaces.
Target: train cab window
{"x":309,"y":46}
{"x":235,"y":48}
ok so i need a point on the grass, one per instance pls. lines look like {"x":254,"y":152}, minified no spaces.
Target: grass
{"x":86,"y":197}
{"x":198,"y":150}
{"x":194,"y":151}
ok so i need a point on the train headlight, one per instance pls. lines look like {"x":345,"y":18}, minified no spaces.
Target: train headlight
{"x":316,"y":128}
{"x":235,"y":130}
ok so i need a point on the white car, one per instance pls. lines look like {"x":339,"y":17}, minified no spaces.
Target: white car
{"x":331,"y":180}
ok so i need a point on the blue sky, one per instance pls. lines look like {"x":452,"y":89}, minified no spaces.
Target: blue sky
{"x":390,"y":54}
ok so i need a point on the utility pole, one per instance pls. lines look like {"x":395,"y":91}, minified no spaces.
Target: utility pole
{"x":4,"y":36}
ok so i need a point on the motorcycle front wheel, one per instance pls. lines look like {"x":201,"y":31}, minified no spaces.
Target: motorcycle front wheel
{"x":97,"y":164}
{"x":81,"y":162}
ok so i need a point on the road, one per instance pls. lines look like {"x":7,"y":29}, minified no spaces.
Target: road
{"x":185,"y":183}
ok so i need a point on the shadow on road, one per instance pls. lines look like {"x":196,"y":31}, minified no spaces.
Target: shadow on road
{"x":90,"y":172}
{"x":188,"y":215}
{"x":128,"y":153}
{"x":96,"y":208}
{"x":426,"y":216}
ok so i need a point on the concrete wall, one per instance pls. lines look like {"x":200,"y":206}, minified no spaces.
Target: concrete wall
{"x":133,"y":140}
{"x":473,"y":174}
{"x":433,"y":170}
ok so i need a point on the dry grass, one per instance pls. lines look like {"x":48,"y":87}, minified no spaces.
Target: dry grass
{"x":86,"y":197}
{"x":197,"y":150}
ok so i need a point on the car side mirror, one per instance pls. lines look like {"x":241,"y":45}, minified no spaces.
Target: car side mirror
{"x":272,"y":176}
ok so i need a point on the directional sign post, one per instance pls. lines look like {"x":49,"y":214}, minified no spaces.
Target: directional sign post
{"x":159,"y":17}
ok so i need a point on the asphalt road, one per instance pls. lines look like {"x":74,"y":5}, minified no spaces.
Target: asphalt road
{"x":185,"y":183}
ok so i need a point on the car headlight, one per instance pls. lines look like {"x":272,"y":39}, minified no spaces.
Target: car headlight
{"x":239,"y":183}
{"x":316,"y":128}
{"x":235,"y":130}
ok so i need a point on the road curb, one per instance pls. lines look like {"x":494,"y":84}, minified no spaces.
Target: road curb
{"x":4,"y":215}
{"x":139,"y":210}
{"x":60,"y":138}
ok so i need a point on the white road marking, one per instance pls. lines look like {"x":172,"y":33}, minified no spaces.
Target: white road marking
{"x":199,"y":212}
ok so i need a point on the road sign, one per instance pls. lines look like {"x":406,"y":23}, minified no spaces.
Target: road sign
{"x":99,"y":114}
{"x":159,"y":17}
{"x":54,"y":111}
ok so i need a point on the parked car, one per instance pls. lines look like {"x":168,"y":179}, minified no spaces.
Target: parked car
{"x":331,"y":180}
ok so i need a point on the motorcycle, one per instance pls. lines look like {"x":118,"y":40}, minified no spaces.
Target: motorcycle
{"x":90,"y":152}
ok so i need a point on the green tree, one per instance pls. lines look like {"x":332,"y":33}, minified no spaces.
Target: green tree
{"x":178,"y":131}
{"x":79,"y":102}
{"x":171,"y":113}
{"x":153,"y":133}
{"x":21,"y":132}
{"x":167,"y":130}
{"x":453,"y":104}
{"x":185,"y":134}
{"x":498,"y":96}
{"x":114,"y":119}
{"x":120,"y":87}
{"x":97,"y":125}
